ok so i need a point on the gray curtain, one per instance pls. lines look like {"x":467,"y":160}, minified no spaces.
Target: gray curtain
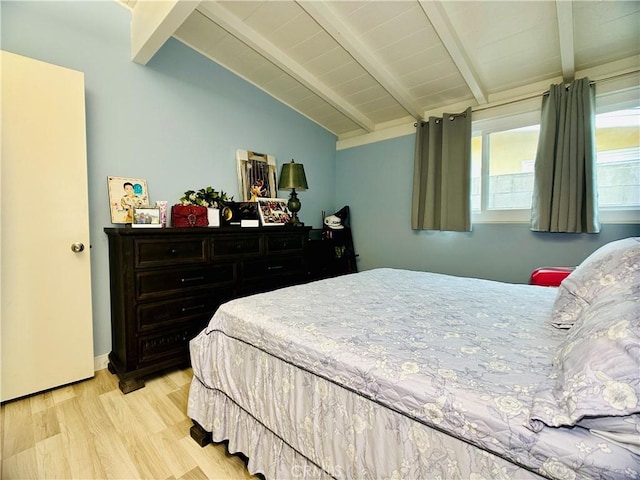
{"x":442,"y":174}
{"x":565,"y":196}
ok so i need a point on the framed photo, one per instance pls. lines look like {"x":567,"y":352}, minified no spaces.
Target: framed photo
{"x":256,"y":175}
{"x":146,"y":217}
{"x":125,"y":194}
{"x":248,"y":212}
{"x":273,"y":211}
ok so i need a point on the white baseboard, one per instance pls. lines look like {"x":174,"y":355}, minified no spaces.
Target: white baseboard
{"x":100,"y":362}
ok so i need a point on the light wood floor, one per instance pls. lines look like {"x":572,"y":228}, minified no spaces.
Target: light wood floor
{"x":90,"y":430}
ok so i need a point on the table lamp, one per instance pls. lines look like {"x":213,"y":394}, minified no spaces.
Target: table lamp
{"x":292,"y":177}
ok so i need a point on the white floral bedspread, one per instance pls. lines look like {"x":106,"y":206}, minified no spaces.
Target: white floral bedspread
{"x":449,"y":361}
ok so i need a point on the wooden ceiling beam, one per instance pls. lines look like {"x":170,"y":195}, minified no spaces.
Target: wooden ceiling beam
{"x":564,"y":12}
{"x":437,"y":16}
{"x":153,"y":23}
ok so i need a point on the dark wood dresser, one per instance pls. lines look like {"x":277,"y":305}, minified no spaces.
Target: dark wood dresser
{"x":167,"y":283}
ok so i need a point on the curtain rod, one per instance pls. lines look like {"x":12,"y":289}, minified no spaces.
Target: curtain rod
{"x":536,"y":95}
{"x":592,"y":82}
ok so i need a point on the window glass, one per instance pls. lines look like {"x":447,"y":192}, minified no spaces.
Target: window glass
{"x":618,"y":158}
{"x":506,"y":181}
{"x":512,"y":155}
{"x":476,"y":172}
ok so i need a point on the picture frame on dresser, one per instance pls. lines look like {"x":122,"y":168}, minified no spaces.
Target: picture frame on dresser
{"x":256,"y":175}
{"x":273,"y":212}
{"x":124,"y":195}
{"x":146,"y":217}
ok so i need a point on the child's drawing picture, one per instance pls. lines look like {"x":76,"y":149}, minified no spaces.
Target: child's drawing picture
{"x":125,"y":194}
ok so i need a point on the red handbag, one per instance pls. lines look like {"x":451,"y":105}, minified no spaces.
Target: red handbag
{"x":189,"y":216}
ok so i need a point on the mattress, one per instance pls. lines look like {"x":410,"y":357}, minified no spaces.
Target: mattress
{"x":390,"y":374}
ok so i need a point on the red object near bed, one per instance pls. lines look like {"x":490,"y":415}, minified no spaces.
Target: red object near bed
{"x":549,"y":276}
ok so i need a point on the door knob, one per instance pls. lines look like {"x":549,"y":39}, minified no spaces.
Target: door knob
{"x":77,"y":247}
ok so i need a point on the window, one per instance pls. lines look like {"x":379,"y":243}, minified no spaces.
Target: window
{"x":618,"y":150}
{"x":509,"y":180}
{"x":503,"y":157}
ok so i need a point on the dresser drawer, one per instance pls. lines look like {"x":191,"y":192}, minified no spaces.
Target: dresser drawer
{"x":273,"y":266}
{"x":157,"y":283}
{"x":279,"y":243}
{"x":150,"y":253}
{"x":166,"y":346}
{"x":234,"y":246}
{"x":198,"y":309}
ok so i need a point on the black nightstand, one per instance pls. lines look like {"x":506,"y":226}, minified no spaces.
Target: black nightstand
{"x":331,"y":253}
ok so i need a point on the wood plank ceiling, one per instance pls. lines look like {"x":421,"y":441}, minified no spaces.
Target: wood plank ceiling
{"x":356,"y":67}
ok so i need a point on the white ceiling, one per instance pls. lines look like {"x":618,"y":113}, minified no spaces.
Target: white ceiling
{"x":356,"y":67}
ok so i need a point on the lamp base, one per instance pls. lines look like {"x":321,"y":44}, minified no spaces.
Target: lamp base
{"x":294,"y":207}
{"x":295,"y":221}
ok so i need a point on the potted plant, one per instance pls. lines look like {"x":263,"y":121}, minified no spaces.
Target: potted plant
{"x":205,"y":197}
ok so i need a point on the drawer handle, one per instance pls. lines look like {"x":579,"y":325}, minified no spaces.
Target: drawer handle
{"x":173,"y":251}
{"x":195,"y":307}
{"x":275,"y":267}
{"x":192,"y":279}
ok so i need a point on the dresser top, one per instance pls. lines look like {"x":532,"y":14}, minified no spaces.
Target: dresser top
{"x":123,"y":231}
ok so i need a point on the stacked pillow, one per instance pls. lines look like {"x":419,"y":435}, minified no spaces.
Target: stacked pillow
{"x":612,"y":269}
{"x":595,"y":378}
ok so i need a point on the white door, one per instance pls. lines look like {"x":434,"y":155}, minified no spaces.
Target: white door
{"x":45,"y":322}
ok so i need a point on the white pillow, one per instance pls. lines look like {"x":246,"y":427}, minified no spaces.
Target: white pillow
{"x":596,"y":369}
{"x":613,"y":268}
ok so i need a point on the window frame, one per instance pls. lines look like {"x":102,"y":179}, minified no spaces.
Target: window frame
{"x":604,"y":103}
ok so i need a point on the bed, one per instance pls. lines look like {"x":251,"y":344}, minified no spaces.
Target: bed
{"x":393,"y":373}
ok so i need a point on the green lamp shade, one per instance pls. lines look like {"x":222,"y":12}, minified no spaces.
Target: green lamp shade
{"x":292,"y":177}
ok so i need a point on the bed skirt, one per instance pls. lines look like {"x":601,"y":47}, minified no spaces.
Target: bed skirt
{"x":302,"y":426}
{"x":267,"y":453}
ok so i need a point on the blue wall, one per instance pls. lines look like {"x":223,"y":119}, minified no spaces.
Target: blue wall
{"x":176,"y":122}
{"x":375,"y":180}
